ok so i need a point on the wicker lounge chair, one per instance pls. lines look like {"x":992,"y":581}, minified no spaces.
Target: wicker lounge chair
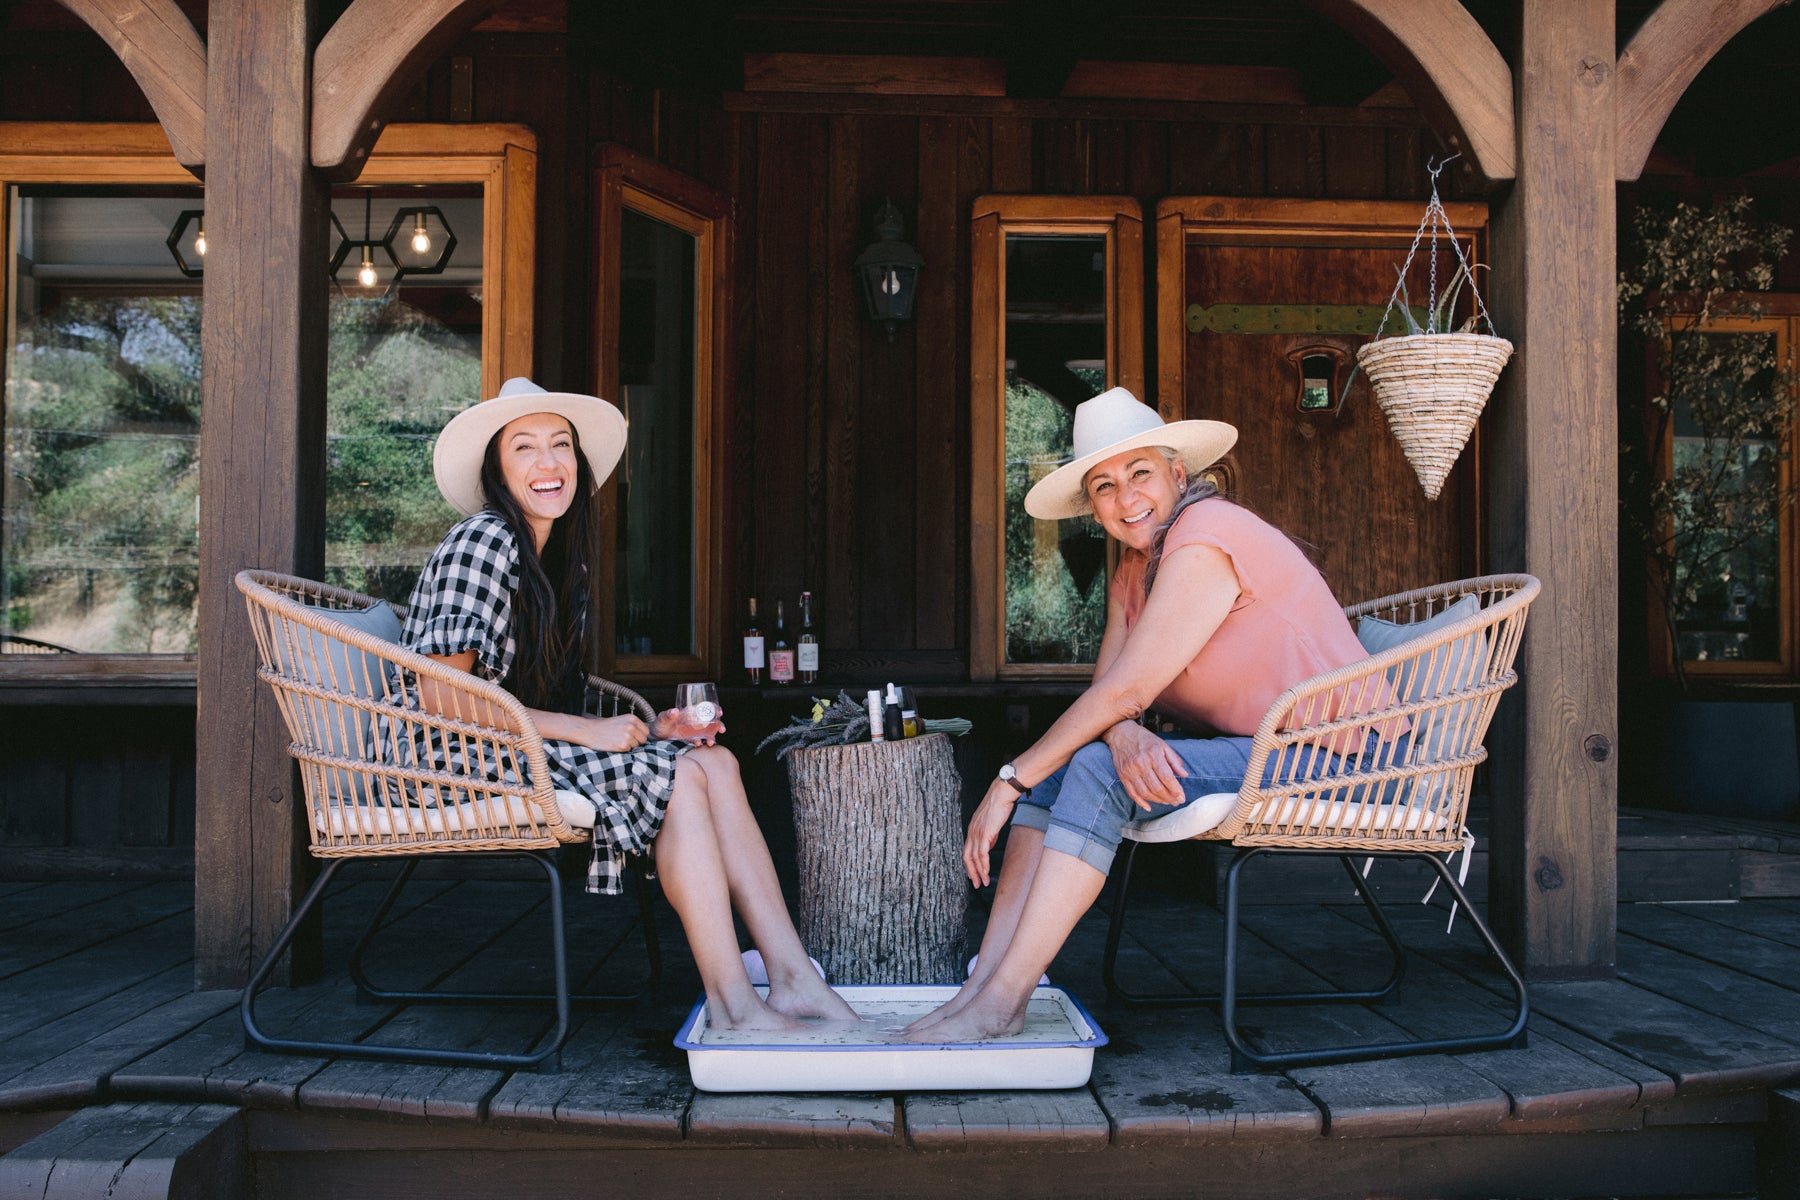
{"x":348,"y":694}
{"x":1448,"y":652}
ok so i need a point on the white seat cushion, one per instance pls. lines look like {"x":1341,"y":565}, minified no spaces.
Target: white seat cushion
{"x":1190,"y":820}
{"x":1205,"y":814}
{"x":425,"y":820}
{"x":1345,"y":816}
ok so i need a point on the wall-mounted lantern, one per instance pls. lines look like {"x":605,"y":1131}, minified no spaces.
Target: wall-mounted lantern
{"x":889,"y":271}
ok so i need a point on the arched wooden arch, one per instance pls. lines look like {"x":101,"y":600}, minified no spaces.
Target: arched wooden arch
{"x":1677,"y":39}
{"x":163,"y":52}
{"x":370,"y":55}
{"x":1453,"y":71}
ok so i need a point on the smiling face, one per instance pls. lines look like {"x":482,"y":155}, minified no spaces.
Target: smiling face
{"x":538,"y":461}
{"x":1134,"y":492}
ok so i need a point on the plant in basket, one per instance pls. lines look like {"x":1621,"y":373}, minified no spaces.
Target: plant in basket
{"x":1432,"y":381}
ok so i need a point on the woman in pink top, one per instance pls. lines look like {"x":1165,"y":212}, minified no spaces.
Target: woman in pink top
{"x":1211,"y":615}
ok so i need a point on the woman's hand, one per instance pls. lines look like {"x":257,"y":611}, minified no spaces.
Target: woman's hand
{"x":991,"y":816}
{"x":1149,"y":769}
{"x":669,"y":727}
{"x":611,"y":734}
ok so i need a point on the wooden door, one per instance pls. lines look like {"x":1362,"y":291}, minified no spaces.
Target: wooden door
{"x":1273,"y":298}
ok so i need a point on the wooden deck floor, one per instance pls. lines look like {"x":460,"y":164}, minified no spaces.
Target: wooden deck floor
{"x":1654,"y":1083}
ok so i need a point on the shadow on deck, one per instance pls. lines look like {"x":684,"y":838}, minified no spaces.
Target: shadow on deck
{"x":1662,"y":1081}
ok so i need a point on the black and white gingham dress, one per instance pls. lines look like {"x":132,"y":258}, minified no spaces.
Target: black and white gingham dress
{"x":463,"y":601}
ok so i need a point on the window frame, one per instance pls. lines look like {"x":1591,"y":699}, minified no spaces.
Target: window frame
{"x":1119,"y":219}
{"x":625,"y":180}
{"x":500,"y":158}
{"x":1781,"y":317}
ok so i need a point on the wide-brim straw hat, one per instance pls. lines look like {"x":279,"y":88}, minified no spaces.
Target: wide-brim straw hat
{"x":456,"y":460}
{"x":1111,"y":423}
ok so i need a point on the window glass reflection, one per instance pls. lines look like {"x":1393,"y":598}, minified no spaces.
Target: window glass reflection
{"x":654,"y":581}
{"x":1055,"y":575}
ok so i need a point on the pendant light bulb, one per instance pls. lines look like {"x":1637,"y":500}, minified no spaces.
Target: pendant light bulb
{"x":200,"y":241}
{"x":421,"y":240}
{"x":366,"y":276}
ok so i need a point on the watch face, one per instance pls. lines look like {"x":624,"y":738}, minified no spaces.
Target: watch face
{"x":1007,"y":773}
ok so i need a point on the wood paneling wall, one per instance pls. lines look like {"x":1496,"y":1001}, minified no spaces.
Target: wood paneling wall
{"x":846,"y":453}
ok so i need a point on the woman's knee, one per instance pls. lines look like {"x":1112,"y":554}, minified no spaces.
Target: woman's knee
{"x":691,"y":785}
{"x":719,"y":764}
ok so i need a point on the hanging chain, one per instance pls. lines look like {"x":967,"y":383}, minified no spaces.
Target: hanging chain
{"x":1434,"y":216}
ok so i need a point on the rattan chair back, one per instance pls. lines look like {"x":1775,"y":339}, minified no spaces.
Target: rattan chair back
{"x":384,"y":774}
{"x":1386,"y":793}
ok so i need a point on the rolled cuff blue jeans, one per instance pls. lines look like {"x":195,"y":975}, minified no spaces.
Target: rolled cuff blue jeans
{"x":1083,"y":808}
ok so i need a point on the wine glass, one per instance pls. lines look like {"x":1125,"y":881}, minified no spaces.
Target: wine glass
{"x":697,"y":710}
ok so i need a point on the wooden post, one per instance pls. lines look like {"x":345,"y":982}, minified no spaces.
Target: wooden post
{"x":1553,"y":508}
{"x":262,"y":465}
{"x":878,"y":831}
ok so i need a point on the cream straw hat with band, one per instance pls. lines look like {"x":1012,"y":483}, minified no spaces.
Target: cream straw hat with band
{"x":1111,"y":423}
{"x":456,"y":460}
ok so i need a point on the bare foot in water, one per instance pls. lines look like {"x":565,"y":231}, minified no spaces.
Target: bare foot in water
{"x":948,"y":1008}
{"x":981,"y":1020}
{"x":754,"y":1014}
{"x":809,"y":996}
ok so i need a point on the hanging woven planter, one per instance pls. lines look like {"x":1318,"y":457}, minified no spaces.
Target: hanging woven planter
{"x":1433,"y":383}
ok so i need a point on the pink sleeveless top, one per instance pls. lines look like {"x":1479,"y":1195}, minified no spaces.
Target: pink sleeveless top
{"x":1284,"y":627}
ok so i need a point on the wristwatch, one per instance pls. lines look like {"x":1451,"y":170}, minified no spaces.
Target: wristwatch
{"x":1009,"y":775}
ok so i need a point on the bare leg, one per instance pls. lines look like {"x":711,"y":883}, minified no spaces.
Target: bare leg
{"x":691,"y":863}
{"x":1063,"y":888}
{"x":794,"y":987}
{"x":1024,"y":850}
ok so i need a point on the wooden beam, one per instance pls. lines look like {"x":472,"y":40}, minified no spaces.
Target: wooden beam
{"x":370,"y":56}
{"x":159,"y":46}
{"x":1453,"y":71}
{"x":262,"y":468}
{"x":878,"y":74}
{"x":1661,"y":60}
{"x":1553,"y":501}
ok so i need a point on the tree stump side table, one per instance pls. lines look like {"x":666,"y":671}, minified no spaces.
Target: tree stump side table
{"x":878,"y":828}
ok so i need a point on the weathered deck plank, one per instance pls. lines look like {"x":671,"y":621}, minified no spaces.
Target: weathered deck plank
{"x":1560,"y":1075}
{"x":33,"y":1048}
{"x":1165,"y":1080}
{"x":1608,"y":1060}
{"x":1047,"y":1122}
{"x":29,"y":903}
{"x":66,"y":929}
{"x":79,"y":1074}
{"x":619,"y":1078}
{"x":95,"y":972}
{"x":1729,"y":945}
{"x":839,"y":1121}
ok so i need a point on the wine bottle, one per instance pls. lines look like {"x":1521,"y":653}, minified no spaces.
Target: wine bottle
{"x":781,"y":654}
{"x":753,"y":647}
{"x":807,"y":656}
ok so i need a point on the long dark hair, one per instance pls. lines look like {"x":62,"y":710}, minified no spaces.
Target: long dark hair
{"x":1198,"y":488}
{"x":551,"y":637}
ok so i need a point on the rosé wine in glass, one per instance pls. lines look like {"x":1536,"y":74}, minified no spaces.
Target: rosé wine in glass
{"x":697,"y":710}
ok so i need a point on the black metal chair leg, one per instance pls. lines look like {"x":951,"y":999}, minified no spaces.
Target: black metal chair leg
{"x":367,"y":991}
{"x":1244,"y":1057}
{"x":1116,"y":991}
{"x":1115,"y":928}
{"x":548,"y":1057}
{"x":1397,"y":972}
{"x":647,"y":921}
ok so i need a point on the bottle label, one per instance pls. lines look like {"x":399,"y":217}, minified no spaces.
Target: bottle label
{"x":753,"y":654}
{"x":781,"y":666}
{"x":809,"y":656}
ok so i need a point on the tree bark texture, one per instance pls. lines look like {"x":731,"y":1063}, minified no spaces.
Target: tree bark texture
{"x":878,"y":828}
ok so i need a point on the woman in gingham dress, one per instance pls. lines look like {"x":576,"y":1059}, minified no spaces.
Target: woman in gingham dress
{"x":504,"y":597}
